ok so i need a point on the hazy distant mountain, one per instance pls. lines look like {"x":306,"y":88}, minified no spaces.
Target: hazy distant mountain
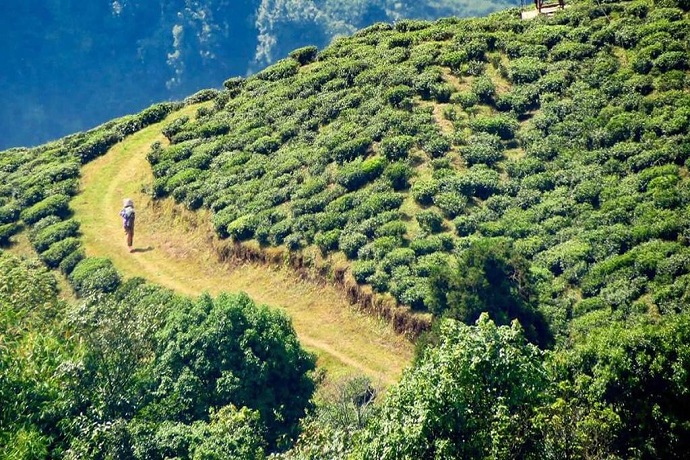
{"x":67,"y":65}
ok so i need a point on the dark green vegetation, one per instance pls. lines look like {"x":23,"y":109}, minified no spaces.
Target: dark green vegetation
{"x":532,"y":170}
{"x":66,"y":67}
{"x":484,"y":392}
{"x":142,"y":373}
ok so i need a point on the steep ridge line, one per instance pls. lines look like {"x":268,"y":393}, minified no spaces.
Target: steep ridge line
{"x":175,"y":253}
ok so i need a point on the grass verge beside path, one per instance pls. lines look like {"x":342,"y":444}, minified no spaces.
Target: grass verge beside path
{"x":173,"y":250}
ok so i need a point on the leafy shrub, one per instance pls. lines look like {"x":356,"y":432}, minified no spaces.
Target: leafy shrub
{"x":465,"y":225}
{"x":183,"y":177}
{"x":169,"y":131}
{"x":396,"y":147}
{"x":363,"y":269}
{"x":9,"y":213}
{"x":234,"y":84}
{"x":243,"y":227}
{"x":400,"y":96}
{"x":327,"y":241}
{"x":398,"y":174}
{"x":59,"y":250}
{"x":430,"y":220}
{"x":293,"y":241}
{"x":282,"y":69}
{"x":572,"y":51}
{"x":201,"y":96}
{"x":380,"y":202}
{"x":465,"y":99}
{"x":501,"y":125}
{"x":398,"y":257}
{"x":42,"y":224}
{"x":379,"y":280}
{"x":450,"y":203}
{"x":480,"y":181}
{"x":94,"y":275}
{"x":349,"y":150}
{"x":526,"y":70}
{"x":436,"y":146}
{"x":429,"y":262}
{"x":484,"y":89}
{"x":7,"y":231}
{"x":426,"y":245}
{"x":373,"y":167}
{"x":304,"y":55}
{"x":97,"y":146}
{"x":279,"y":231}
{"x":55,"y":232}
{"x":426,"y":83}
{"x":57,"y":205}
{"x":672,"y":60}
{"x":222,"y":219}
{"x":423,"y":191}
{"x":32,"y":195}
{"x":355,"y":174}
{"x":69,"y":262}
{"x":351,"y":242}
{"x":265,"y":145}
{"x":329,"y":220}
{"x":380,"y":247}
{"x":483,"y":148}
{"x":395,"y":228}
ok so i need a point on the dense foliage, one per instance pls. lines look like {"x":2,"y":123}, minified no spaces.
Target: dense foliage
{"x":142,"y":373}
{"x":484,"y":170}
{"x":471,"y":397}
{"x":484,"y":392}
{"x":565,"y":137}
{"x":489,"y":277}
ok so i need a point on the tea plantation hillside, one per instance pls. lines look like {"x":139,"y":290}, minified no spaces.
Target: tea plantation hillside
{"x":564,"y":140}
{"x":476,"y":171}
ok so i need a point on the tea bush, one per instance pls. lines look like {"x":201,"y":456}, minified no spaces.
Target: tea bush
{"x":94,"y":275}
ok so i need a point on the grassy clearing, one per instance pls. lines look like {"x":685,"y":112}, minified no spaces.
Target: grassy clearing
{"x":174,"y":249}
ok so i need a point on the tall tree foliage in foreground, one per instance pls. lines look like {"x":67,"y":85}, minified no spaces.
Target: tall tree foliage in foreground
{"x":143,"y":373}
{"x":624,"y":391}
{"x":342,"y":409}
{"x":216,"y":352}
{"x":472,"y":396}
{"x":489,"y":276}
{"x":31,"y":350}
{"x":157,"y":367}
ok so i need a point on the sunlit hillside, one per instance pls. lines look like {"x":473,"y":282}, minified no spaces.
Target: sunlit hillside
{"x":512,"y":194}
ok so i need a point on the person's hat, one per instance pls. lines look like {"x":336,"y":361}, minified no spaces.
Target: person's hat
{"x":128,"y":202}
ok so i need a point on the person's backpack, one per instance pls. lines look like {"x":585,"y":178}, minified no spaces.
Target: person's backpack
{"x":129,"y":218}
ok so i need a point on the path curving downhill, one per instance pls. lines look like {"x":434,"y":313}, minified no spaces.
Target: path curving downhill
{"x":173,"y":250}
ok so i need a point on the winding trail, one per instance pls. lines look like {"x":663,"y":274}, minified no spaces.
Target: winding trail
{"x":172,"y":248}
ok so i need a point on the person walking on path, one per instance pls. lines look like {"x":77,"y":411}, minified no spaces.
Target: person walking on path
{"x":128,"y":215}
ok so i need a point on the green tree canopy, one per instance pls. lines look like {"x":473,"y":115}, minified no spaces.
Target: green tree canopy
{"x":215,"y":352}
{"x":489,"y":276}
{"x":633,"y":382}
{"x":472,"y":396}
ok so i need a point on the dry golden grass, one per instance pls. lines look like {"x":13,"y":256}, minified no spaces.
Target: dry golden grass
{"x":174,"y":248}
